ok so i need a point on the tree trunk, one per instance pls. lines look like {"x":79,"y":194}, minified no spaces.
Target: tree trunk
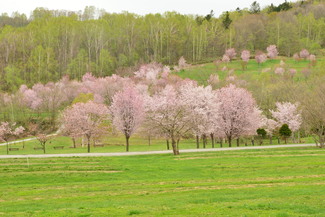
{"x":127,"y":142}
{"x":204,"y":138}
{"x":74,"y":142}
{"x":270,"y":140}
{"x":237,"y":142}
{"x":197,"y":142}
{"x":253,"y":143}
{"x":167,"y":142}
{"x":44,"y":148}
{"x":278,"y":140}
{"x":229,"y":141}
{"x":174,"y":145}
{"x":212,"y":140}
{"x":7,"y":147}
{"x":88,"y":140}
{"x":285,"y":140}
{"x":221,"y":142}
{"x":149,"y":140}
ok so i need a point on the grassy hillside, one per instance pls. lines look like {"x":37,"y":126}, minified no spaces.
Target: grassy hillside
{"x":281,"y":182}
{"x":201,"y":73}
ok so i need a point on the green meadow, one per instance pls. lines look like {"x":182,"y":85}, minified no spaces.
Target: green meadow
{"x":274,"y":182}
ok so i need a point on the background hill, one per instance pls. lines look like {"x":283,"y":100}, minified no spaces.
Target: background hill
{"x":51,"y":44}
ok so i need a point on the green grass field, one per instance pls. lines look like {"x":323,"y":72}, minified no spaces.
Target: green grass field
{"x":274,"y":182}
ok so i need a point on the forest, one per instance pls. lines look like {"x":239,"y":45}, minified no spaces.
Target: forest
{"x":50,"y":44}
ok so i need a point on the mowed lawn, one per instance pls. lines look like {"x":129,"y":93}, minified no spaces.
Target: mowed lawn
{"x":273,"y":182}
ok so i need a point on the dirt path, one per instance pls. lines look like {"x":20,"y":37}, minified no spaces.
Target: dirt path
{"x":150,"y":152}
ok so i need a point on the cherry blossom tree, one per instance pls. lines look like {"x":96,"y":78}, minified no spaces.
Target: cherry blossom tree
{"x":8,"y":130}
{"x":304,"y":53}
{"x":153,"y":71}
{"x":202,"y":109}
{"x":231,"y":53}
{"x":43,"y":139}
{"x":225,"y":58}
{"x":296,"y":57}
{"x":239,"y":114}
{"x":182,"y":63}
{"x":127,"y":111}
{"x":270,"y":126}
{"x":272,"y":51}
{"x":260,"y":58}
{"x":245,"y":55}
{"x":166,"y":111}
{"x":85,"y":119}
{"x":213,"y":80}
{"x":287,"y":113}
{"x":279,"y":70}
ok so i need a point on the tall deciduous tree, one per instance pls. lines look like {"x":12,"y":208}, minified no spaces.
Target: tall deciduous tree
{"x":239,"y":114}
{"x":85,"y":119}
{"x":127,"y":111}
{"x":166,"y":111}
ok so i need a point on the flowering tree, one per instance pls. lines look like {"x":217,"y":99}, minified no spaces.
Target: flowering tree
{"x":213,"y":80}
{"x":7,"y":131}
{"x":225,"y":58}
{"x":127,"y":111}
{"x":239,"y":114}
{"x":312,"y":59}
{"x":202,"y":109}
{"x":245,"y":55}
{"x":260,"y":58}
{"x":231,"y":53}
{"x":270,"y":126}
{"x":287,"y":113}
{"x":304,"y":53}
{"x":84,"y":119}
{"x":272,"y":51}
{"x":279,"y":71}
{"x":43,"y":139}
{"x":296,"y":57}
{"x":182,"y":63}
{"x":166,"y":111}
{"x":153,"y":71}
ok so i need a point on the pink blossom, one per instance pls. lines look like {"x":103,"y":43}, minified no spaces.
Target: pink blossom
{"x":213,"y":79}
{"x":304,"y":54}
{"x":272,"y":51}
{"x":231,"y":53}
{"x":260,"y":58}
{"x":225,"y":59}
{"x":239,"y":114}
{"x":296,"y":57}
{"x":245,"y":55}
{"x":279,"y":71}
{"x":127,"y":111}
{"x":288,"y":113}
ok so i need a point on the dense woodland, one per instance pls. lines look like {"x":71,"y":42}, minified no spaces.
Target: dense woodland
{"x":50,"y":44}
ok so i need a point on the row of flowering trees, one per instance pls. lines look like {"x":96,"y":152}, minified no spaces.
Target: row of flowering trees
{"x":173,"y":112}
{"x":260,"y":57}
{"x":155,"y":100}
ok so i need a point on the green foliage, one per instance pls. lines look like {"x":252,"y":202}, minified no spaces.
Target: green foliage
{"x":226,"y":21}
{"x":285,"y":131}
{"x":83,"y":98}
{"x":261,"y":132}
